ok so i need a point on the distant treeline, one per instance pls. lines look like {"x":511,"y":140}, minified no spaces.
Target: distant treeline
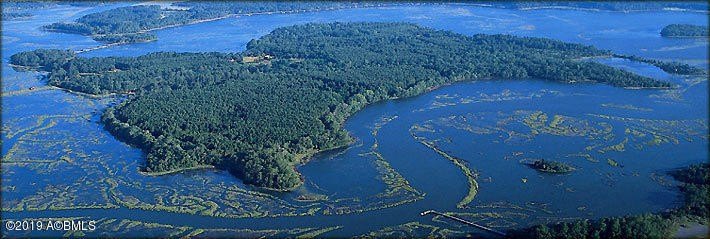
{"x":695,"y":186}
{"x":608,"y":5}
{"x":124,"y":21}
{"x":259,"y":112}
{"x":684,"y":30}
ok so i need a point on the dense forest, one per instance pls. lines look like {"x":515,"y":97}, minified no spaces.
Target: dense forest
{"x":684,"y":30}
{"x":261,"y":112}
{"x":695,"y":186}
{"x":44,"y":59}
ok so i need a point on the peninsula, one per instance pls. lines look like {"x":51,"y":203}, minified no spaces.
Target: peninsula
{"x":261,"y":112}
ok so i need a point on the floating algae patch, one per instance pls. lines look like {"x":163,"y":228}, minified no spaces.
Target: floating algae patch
{"x":415,"y":229}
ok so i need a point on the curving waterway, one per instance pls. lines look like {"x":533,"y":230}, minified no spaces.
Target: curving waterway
{"x":58,"y":161}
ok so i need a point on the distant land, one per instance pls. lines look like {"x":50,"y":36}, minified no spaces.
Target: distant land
{"x":132,"y":24}
{"x":684,"y":30}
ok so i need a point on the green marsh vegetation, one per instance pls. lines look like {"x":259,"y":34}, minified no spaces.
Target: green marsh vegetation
{"x":600,"y":137}
{"x":446,"y":100}
{"x":414,"y":228}
{"x":470,"y":175}
{"x":595,"y":130}
{"x":596,"y":133}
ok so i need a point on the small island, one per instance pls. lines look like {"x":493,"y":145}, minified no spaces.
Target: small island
{"x":684,"y":30}
{"x":551,"y":166}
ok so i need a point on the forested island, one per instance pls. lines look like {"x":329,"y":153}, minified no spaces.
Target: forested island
{"x":684,"y":30}
{"x":551,"y":166}
{"x":261,"y":112}
{"x":695,"y":187}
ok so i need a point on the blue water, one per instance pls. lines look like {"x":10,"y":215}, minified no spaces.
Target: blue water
{"x":40,"y":127}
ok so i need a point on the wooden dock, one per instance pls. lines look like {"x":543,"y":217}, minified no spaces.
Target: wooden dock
{"x":488,"y":229}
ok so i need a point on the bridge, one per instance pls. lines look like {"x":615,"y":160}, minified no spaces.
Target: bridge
{"x":488,"y":229}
